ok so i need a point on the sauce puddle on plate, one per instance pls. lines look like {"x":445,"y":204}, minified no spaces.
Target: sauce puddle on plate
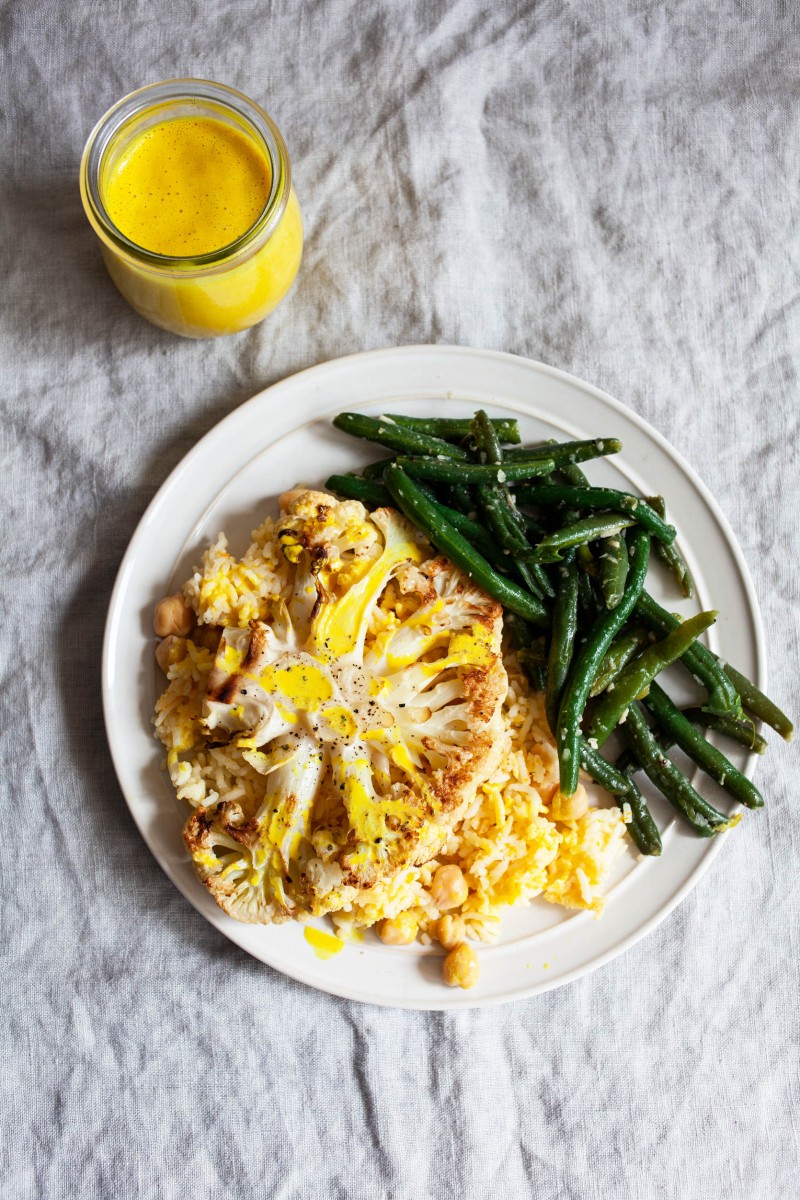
{"x":324,"y":945}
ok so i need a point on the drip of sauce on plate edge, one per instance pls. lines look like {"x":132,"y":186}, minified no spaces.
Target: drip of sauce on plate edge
{"x":324,"y":945}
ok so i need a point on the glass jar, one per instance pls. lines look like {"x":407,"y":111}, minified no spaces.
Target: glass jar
{"x":231,"y":287}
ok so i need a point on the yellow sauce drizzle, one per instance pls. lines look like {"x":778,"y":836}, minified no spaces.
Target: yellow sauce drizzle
{"x":305,"y":686}
{"x":337,"y":628}
{"x":324,"y":945}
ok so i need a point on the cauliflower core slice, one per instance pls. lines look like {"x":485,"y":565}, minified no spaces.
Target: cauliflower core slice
{"x":370,"y":705}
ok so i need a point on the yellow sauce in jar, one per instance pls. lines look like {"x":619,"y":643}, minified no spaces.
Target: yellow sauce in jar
{"x":188,"y":186}
{"x":211,"y":231}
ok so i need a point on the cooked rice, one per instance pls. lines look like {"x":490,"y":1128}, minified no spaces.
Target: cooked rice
{"x":509,"y":846}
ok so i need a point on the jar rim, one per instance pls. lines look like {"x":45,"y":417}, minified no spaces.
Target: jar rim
{"x":187,"y":89}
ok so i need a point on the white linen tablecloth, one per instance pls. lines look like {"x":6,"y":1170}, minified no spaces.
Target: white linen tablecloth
{"x":611,"y":188}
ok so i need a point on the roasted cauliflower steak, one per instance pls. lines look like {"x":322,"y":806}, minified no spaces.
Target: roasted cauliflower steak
{"x":369,"y":705}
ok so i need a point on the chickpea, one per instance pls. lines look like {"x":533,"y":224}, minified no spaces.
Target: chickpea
{"x":450,"y":931}
{"x":173,"y":615}
{"x":166,"y":652}
{"x":547,"y":789}
{"x":569,"y":808}
{"x":448,"y":887}
{"x":461,"y":967}
{"x":400,"y":930}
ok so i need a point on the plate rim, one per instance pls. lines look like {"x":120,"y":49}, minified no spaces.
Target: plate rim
{"x":455,"y":999}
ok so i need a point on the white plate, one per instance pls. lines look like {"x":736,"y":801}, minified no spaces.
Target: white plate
{"x":283,"y":436}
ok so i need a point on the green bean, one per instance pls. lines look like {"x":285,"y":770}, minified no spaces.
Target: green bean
{"x":628,"y":763}
{"x":533,"y":573}
{"x":536,"y":673}
{"x":574,"y":475}
{"x":461,"y":498}
{"x":439,"y":470}
{"x":639,"y":674}
{"x":477,"y":535}
{"x":374,"y":470}
{"x":723,"y":699}
{"x":620,"y":653}
{"x":601,"y":770}
{"x":566,"y":454}
{"x":523,"y":638}
{"x":673,"y":785}
{"x":419,"y":509}
{"x":692,"y":742}
{"x":758,"y":704}
{"x":455,"y":429}
{"x":396,"y":437}
{"x":495,"y":510}
{"x":743,"y":732}
{"x":512,"y":540}
{"x":641,"y":827}
{"x":588,"y":604}
{"x":612,"y":564}
{"x":519,"y":632}
{"x":550,"y":548}
{"x":529,"y":574}
{"x":587,"y":662}
{"x":503,"y":549}
{"x":670,"y":555}
{"x":496,"y":503}
{"x":532,"y":525}
{"x":353,"y":487}
{"x":608,"y":499}
{"x":572,"y":472}
{"x":562,"y":639}
{"x":494,"y":499}
{"x":487,"y":443}
{"x":530,"y":650}
{"x":474,"y":532}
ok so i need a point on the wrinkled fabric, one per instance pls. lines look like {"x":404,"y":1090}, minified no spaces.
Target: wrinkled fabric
{"x":611,"y":188}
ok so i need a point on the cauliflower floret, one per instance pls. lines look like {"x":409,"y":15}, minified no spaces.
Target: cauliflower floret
{"x":371,"y":735}
{"x":246,"y":864}
{"x":336,"y":538}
